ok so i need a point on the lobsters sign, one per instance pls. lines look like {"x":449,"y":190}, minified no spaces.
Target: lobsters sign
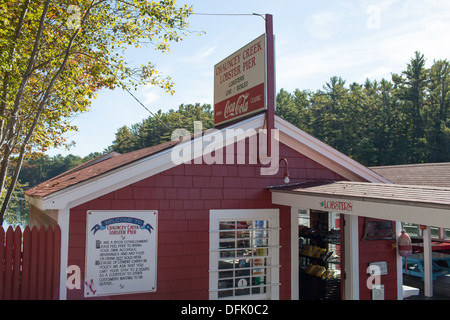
{"x":239,"y":83}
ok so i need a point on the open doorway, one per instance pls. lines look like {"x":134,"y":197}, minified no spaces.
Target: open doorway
{"x":320,"y":253}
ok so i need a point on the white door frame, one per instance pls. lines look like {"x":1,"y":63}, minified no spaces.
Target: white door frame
{"x":351,"y":256}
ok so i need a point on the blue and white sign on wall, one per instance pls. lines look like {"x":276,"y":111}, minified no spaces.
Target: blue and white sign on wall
{"x":121,"y":252}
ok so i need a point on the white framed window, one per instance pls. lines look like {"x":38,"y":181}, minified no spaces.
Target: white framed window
{"x":244,"y":254}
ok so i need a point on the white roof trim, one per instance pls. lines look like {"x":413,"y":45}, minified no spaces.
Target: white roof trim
{"x":161,"y":161}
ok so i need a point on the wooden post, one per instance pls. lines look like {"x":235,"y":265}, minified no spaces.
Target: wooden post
{"x":427,"y":262}
{"x":270,"y":82}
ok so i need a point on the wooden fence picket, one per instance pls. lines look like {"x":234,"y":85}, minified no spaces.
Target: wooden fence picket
{"x":33,"y":263}
{"x":30,"y":263}
{"x":17,"y":253}
{"x":48,"y":264}
{"x":7,"y":287}
{"x":41,"y":265}
{"x":26,"y":264}
{"x":56,"y":263}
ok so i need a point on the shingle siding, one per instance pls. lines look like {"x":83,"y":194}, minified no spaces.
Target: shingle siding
{"x":183,"y":197}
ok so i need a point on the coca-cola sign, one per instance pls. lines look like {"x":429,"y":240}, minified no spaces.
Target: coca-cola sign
{"x":249,"y":102}
{"x":236,"y":108}
{"x":239,"y":83}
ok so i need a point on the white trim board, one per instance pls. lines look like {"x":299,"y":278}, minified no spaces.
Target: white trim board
{"x":364,"y":208}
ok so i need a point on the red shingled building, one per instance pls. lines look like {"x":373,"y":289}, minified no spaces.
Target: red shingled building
{"x":207,"y":212}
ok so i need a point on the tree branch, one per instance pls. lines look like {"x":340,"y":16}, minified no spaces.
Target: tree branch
{"x":11,"y":58}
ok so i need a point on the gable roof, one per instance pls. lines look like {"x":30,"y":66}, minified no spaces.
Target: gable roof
{"x":424,"y":174}
{"x":93,"y":169}
{"x":88,"y":182}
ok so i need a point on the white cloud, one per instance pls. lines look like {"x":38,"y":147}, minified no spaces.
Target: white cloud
{"x":206,"y":53}
{"x":345,"y":46}
{"x":150,"y":96}
{"x":322,"y":25}
{"x":200,"y":56}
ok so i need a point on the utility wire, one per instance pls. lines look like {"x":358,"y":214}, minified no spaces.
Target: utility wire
{"x":227,"y":14}
{"x":157,"y":118}
{"x":199,"y":14}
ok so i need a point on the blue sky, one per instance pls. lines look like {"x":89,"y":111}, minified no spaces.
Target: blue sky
{"x":315,"y":40}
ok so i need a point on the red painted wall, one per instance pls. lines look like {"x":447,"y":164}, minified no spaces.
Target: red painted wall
{"x":374,"y":251}
{"x":183,"y":196}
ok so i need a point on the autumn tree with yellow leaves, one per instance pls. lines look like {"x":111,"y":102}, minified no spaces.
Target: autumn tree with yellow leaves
{"x":55,"y":56}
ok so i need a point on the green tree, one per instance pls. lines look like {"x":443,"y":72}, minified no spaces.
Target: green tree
{"x":124,"y":140}
{"x":359,"y":109}
{"x":333,"y":111}
{"x":18,"y":212}
{"x":54,"y":56}
{"x":158,"y":128}
{"x":398,"y":121}
{"x":438,"y":129}
{"x":294,"y":107}
{"x":414,"y":86}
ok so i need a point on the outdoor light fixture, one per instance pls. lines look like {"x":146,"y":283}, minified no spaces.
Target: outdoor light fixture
{"x":286,"y":171}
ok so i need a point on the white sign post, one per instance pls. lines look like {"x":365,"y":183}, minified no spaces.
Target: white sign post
{"x":121,"y":252}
